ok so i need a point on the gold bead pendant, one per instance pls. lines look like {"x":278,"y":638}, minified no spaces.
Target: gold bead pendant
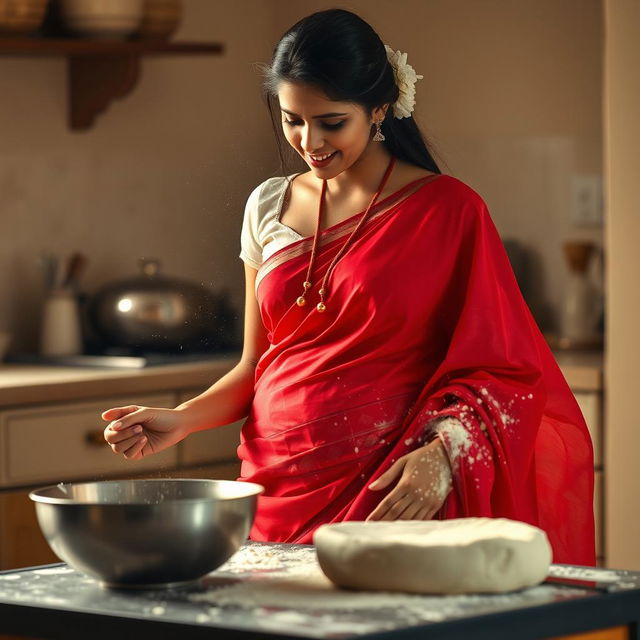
{"x":301,"y":301}
{"x":321,"y":307}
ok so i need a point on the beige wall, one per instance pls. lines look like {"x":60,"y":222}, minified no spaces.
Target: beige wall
{"x":622,"y":141}
{"x":164,"y":172}
{"x":511,"y":97}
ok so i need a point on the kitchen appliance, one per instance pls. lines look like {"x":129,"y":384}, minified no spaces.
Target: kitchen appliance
{"x":146,"y":533}
{"x":154,"y":312}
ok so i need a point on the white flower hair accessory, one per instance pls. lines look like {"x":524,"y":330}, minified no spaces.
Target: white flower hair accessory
{"x":406,"y":79}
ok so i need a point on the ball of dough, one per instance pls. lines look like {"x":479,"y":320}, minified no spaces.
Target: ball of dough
{"x":464,"y":555}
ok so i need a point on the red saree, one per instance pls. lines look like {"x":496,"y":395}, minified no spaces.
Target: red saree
{"x":424,"y":320}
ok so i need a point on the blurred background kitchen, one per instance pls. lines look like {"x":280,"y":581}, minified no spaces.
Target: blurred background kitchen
{"x":125,"y":168}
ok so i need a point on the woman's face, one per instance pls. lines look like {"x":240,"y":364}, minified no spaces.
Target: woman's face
{"x":316,"y":127}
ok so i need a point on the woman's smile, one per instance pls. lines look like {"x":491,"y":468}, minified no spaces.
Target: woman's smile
{"x":322,"y":160}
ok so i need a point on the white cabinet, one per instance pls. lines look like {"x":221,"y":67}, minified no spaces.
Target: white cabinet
{"x":64,"y":442}
{"x":591,"y":406}
{"x":217,"y":444}
{"x":584,"y":372}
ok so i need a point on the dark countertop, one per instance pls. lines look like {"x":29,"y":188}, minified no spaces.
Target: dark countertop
{"x":278,"y":591}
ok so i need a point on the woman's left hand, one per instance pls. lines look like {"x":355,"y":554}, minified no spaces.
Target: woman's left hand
{"x":422,"y":489}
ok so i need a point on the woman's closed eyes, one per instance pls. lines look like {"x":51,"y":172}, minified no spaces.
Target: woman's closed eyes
{"x":326,"y":125}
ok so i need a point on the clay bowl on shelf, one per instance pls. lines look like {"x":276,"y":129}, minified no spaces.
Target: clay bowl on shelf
{"x":111,"y":19}
{"x":21,"y":17}
{"x":160,"y":19}
{"x":150,"y":533}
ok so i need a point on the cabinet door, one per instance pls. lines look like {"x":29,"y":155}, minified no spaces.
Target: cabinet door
{"x":64,"y":442}
{"x":590,"y":405}
{"x":220,"y":471}
{"x":211,"y":445}
{"x":598,"y":510}
{"x":21,"y":541}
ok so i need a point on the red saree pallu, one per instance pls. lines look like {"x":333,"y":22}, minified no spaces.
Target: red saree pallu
{"x":426,"y":334}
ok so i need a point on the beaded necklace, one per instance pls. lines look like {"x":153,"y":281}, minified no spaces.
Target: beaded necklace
{"x":321,"y":306}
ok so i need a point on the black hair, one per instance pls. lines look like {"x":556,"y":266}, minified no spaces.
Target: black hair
{"x":339,"y":53}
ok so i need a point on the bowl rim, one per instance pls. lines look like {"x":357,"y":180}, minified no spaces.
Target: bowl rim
{"x":253,"y":489}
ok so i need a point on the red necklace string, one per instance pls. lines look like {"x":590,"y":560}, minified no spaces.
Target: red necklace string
{"x":321,"y":306}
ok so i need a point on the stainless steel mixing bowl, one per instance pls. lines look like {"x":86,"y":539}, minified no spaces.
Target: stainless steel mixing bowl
{"x":146,"y":533}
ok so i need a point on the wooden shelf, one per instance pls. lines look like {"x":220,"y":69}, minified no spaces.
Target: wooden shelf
{"x":100,"y":71}
{"x":82,"y":47}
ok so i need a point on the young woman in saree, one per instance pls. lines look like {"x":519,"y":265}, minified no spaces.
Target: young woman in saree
{"x":391,"y":368}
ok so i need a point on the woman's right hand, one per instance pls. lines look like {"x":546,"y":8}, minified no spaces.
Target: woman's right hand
{"x":136,"y":432}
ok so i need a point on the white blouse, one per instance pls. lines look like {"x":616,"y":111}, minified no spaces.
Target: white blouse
{"x":262,"y":232}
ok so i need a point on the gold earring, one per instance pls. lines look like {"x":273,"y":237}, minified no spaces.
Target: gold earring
{"x":379,"y":136}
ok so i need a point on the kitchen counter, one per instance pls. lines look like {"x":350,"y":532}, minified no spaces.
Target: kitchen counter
{"x":278,"y":591}
{"x":22,"y":384}
{"x":584,"y":370}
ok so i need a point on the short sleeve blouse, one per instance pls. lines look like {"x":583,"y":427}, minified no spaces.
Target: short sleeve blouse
{"x":262,"y":232}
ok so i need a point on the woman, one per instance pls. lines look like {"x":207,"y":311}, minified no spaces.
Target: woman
{"x":391,"y":368}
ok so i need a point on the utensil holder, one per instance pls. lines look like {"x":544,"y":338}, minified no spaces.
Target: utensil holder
{"x":60,"y":332}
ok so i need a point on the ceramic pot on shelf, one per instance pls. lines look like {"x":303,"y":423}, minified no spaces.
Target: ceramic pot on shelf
{"x":160,"y":19}
{"x":21,"y":17}
{"x":102,"y":19}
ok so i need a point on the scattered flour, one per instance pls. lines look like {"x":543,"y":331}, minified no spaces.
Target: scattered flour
{"x":457,"y":436}
{"x":293,"y":579}
{"x":443,"y":486}
{"x":302,"y":587}
{"x":52,"y":570}
{"x":575,"y":573}
{"x":384,"y":424}
{"x":53,"y":601}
